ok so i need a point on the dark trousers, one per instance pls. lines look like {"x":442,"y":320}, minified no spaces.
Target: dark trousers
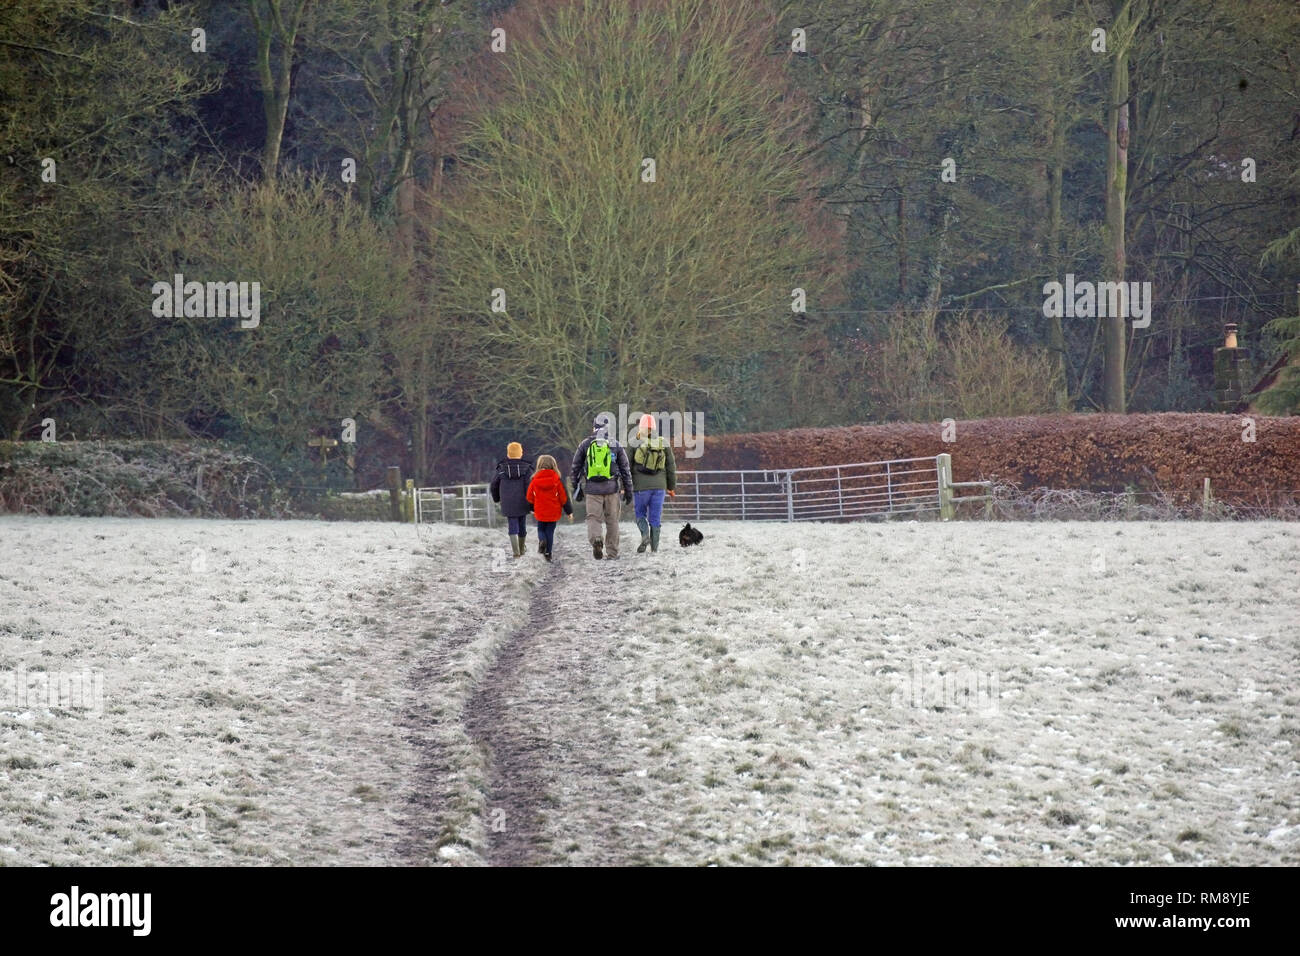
{"x":519,"y":526}
{"x":546,"y":534}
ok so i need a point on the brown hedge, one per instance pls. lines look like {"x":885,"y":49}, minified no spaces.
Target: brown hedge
{"x":1172,"y":452}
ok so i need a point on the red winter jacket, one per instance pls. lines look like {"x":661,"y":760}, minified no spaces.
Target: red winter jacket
{"x":547,"y":495}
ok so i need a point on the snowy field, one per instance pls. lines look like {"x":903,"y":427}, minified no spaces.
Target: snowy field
{"x":190,"y":692}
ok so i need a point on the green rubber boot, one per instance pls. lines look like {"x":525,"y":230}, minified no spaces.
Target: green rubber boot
{"x":654,"y":540}
{"x":514,"y":546}
{"x":645,"y":535}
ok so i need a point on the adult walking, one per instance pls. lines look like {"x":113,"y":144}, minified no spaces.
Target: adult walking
{"x":510,"y":489}
{"x":654,"y":475}
{"x":599,"y":468}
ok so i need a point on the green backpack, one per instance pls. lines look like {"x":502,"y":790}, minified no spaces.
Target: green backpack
{"x":650,"y":456}
{"x":600,"y":464}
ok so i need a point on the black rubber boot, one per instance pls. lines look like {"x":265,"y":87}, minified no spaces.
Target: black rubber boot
{"x":645,"y":535}
{"x":596,"y":547}
{"x":654,"y":540}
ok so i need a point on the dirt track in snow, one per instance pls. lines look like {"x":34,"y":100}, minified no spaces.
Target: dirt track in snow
{"x":516,"y":751}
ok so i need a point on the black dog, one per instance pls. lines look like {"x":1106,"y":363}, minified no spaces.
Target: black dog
{"x":689,"y":536}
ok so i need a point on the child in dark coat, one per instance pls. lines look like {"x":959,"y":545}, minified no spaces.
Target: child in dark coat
{"x":547,"y":495}
{"x":509,"y":489}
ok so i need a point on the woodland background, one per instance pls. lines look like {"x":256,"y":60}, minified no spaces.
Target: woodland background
{"x":521,"y":169}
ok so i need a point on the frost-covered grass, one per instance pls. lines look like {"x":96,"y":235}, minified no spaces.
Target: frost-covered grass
{"x":256,"y":694}
{"x":294,"y":692}
{"x":776,"y":695}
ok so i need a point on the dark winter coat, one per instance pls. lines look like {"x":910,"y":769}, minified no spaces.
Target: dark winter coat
{"x":603,"y":486}
{"x":510,"y":486}
{"x":548,"y":496}
{"x":665,"y":479}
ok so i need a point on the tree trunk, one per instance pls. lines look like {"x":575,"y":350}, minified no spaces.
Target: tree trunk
{"x":406,"y":218}
{"x":936,"y":265}
{"x":1117,"y":130}
{"x":271,"y":141}
{"x":1056,"y":179}
{"x":420,"y":432}
{"x":277,"y":111}
{"x":902,"y":244}
{"x":272,"y":23}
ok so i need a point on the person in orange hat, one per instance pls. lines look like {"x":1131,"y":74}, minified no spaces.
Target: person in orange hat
{"x":548,"y":496}
{"x":509,"y":487}
{"x":654,"y":475}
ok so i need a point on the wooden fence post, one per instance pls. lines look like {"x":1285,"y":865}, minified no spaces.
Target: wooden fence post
{"x":408,"y":501}
{"x":943,"y":466}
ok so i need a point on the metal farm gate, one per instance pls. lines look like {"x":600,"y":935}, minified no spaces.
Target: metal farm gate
{"x":904,"y":486}
{"x":824,"y":492}
{"x":456,"y":504}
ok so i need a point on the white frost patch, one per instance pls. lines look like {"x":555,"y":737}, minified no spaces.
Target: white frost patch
{"x":933,"y":693}
{"x":877,"y":694}
{"x":256,"y":680}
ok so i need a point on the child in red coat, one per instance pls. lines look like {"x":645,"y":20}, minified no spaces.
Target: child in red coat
{"x":547,"y":494}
